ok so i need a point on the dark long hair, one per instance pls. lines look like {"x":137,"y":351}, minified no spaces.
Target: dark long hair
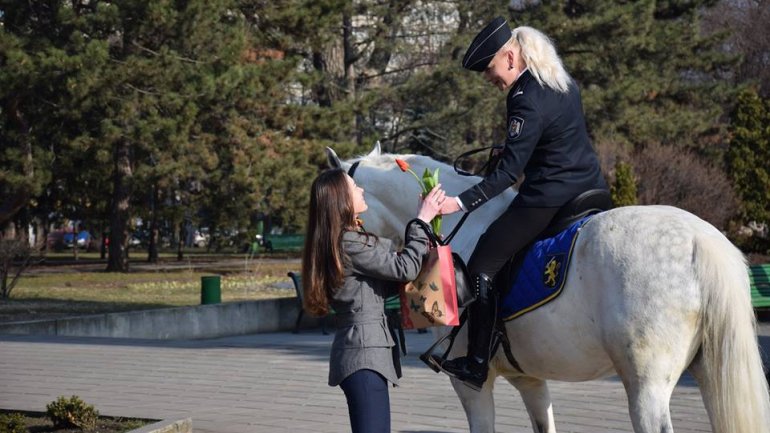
{"x":330,"y":214}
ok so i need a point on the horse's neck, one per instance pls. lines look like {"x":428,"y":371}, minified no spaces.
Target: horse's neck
{"x":398,"y":194}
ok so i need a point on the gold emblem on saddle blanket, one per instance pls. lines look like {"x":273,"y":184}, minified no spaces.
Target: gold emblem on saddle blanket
{"x":551,"y":272}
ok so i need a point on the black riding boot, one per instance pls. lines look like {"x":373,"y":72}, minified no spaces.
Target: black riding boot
{"x":473,"y":369}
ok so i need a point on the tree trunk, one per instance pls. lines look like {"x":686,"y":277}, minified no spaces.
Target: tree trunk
{"x":180,"y":241}
{"x":120,"y":214}
{"x":350,"y":56}
{"x":42,"y":235}
{"x":152,"y":249}
{"x":22,"y":233}
{"x":103,"y":249}
{"x":75,"y":241}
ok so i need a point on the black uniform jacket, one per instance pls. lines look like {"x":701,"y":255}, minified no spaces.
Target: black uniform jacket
{"x":547,"y":142}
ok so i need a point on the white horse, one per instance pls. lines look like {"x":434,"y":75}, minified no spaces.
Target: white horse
{"x":652,"y":291}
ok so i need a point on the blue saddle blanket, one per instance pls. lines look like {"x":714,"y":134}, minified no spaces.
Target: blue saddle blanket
{"x":542,"y":274}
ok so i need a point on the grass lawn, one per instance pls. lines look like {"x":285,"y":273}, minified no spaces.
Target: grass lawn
{"x":60,"y":291}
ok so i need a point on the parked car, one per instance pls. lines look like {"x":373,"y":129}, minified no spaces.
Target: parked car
{"x":83,"y":239}
{"x":200,"y":239}
{"x":134,"y":240}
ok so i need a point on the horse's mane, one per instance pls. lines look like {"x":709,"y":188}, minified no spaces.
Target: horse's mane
{"x":387,"y":161}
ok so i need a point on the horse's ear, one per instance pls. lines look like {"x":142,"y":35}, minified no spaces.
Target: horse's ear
{"x":332,"y":158}
{"x":377,"y":151}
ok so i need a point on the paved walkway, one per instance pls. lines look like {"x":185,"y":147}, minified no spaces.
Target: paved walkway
{"x":277,"y":383}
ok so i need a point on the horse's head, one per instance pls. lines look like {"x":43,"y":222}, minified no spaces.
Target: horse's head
{"x":393,"y":196}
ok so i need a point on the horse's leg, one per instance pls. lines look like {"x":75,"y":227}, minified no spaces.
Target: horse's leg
{"x":479,"y":405}
{"x":648,"y":403}
{"x":649,"y":381}
{"x":650,"y":362}
{"x":698,"y":371}
{"x":537,"y":400}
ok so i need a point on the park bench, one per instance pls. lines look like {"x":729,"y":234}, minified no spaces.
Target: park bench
{"x":392,"y":313}
{"x":284,"y":242}
{"x":760,"y":285}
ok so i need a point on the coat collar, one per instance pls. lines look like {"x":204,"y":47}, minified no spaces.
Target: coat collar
{"x":520,"y":83}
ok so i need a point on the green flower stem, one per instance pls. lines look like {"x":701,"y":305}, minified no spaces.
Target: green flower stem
{"x":435,"y":224}
{"x":419,"y":181}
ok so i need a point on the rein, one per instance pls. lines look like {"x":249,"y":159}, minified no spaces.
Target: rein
{"x":486,"y":169}
{"x":488,"y":166}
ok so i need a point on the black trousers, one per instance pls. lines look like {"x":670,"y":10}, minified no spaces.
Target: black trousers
{"x":368,"y":402}
{"x":512,"y":231}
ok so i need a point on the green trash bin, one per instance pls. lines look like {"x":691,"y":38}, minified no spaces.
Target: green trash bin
{"x":211,"y":292}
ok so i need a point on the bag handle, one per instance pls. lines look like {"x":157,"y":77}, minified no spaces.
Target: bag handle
{"x":432,"y":236}
{"x":434,"y":240}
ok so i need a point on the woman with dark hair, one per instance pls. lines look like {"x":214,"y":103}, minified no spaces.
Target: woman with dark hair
{"x":352,"y":271}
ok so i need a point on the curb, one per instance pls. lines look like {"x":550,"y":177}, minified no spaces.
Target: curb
{"x":176,"y":323}
{"x":167,"y":426}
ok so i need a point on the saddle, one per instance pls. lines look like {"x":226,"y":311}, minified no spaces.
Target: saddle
{"x":588,"y":203}
{"x":585,"y":204}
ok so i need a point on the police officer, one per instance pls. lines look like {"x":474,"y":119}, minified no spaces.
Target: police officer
{"x":546,"y":145}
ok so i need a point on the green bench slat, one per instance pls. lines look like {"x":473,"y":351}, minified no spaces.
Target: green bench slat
{"x":393,"y":303}
{"x":760,"y":285}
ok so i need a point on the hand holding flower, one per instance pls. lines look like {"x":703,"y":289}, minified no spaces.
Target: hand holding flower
{"x":431,"y":204}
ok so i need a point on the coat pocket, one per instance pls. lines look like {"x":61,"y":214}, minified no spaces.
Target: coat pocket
{"x":349,"y":337}
{"x":377,"y":335}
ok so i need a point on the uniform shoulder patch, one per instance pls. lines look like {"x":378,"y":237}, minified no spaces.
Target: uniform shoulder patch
{"x":515,"y":125}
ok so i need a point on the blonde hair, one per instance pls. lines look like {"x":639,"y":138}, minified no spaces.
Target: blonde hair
{"x":540,"y":56}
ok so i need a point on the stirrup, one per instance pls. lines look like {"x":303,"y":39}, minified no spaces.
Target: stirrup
{"x":496,"y":341}
{"x":434,"y":361}
{"x":467,"y":382}
{"x":472,"y":385}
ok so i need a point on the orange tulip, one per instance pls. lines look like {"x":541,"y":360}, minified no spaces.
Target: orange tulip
{"x":426,"y":184}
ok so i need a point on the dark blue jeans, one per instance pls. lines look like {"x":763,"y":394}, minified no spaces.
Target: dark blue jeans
{"x":368,"y":402}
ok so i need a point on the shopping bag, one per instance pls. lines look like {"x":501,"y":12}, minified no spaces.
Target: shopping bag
{"x":431,"y":299}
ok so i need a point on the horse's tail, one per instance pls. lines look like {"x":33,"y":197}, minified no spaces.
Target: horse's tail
{"x":733,"y":386}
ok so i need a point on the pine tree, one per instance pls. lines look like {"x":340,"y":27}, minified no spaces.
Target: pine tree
{"x":749,"y":153}
{"x":623,"y":189}
{"x":646,"y":71}
{"x":47,"y":62}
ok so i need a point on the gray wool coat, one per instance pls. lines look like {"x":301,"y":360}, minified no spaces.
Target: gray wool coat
{"x":371,"y":273}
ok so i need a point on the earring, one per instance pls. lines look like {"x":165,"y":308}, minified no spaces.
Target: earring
{"x":510,"y":67}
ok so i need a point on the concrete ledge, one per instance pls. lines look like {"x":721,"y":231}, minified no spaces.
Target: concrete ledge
{"x":167,"y":426}
{"x":179,"y":323}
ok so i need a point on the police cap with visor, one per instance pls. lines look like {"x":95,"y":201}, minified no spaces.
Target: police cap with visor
{"x":486,"y":44}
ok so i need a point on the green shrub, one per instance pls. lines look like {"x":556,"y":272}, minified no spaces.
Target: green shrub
{"x":623,"y":190}
{"x":72,"y":413}
{"x":12,"y":423}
